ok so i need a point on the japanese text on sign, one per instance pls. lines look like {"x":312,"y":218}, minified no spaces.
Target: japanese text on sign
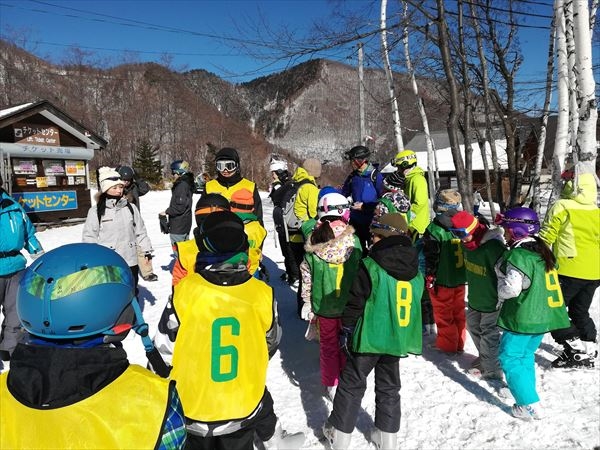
{"x":46,"y":201}
{"x":36,"y":134}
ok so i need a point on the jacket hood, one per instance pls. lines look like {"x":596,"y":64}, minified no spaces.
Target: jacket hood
{"x":301,"y":174}
{"x":51,"y":377}
{"x":188,"y":178}
{"x":415,"y":171}
{"x":397,"y":256}
{"x":587,"y":190}
{"x":493,"y":233}
{"x":335,"y":251}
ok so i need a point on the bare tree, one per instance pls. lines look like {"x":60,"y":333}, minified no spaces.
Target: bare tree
{"x":432,"y":170}
{"x":535,"y":183}
{"x":390,"y":77}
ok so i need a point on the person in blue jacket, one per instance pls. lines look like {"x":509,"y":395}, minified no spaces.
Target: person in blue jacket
{"x":16,"y":233}
{"x":365,"y":186}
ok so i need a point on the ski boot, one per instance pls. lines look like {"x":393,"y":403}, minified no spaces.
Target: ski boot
{"x":383,"y":440}
{"x":573,"y":356}
{"x":338,"y":440}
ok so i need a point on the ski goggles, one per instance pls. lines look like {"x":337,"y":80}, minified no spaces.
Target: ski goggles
{"x":226,"y":165}
{"x":460,"y":233}
{"x":501,"y":219}
{"x":339,"y":208}
{"x":383,"y":226}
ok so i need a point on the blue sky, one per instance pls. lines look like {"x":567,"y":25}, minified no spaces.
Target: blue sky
{"x":190,"y":30}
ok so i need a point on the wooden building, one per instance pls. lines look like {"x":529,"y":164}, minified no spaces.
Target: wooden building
{"x":44,"y":161}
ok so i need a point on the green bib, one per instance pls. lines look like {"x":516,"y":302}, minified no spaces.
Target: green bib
{"x":331,"y":282}
{"x":538,"y":309}
{"x":391,"y":321}
{"x":481,"y":276}
{"x":451,"y":266}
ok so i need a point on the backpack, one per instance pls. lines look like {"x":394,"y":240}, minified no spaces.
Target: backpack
{"x":289,"y":220}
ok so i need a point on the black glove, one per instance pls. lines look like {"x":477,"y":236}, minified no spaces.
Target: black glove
{"x":346,"y":339}
{"x":164,"y":224}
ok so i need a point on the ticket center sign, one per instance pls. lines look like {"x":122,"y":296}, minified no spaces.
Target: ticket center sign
{"x":27,"y":133}
{"x":46,"y":201}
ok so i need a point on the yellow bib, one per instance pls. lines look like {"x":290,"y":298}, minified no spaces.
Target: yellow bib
{"x":126,"y":414}
{"x":214,"y":187}
{"x":256,"y":236}
{"x":187,"y":252}
{"x":220,"y":358}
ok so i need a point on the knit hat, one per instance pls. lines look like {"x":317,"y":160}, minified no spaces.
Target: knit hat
{"x":108,"y":177}
{"x":312,"y":167}
{"x":228,"y":153}
{"x":389,"y":225}
{"x":446,"y":199}
{"x":222,"y":232}
{"x":464,"y":224}
{"x":242,"y":201}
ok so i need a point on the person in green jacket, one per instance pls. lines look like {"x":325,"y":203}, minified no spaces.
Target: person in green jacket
{"x":530,"y":303}
{"x":381,"y":323}
{"x":483,"y":245}
{"x":572,"y":230}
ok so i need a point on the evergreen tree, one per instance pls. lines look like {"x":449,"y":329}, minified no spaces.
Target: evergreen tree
{"x":146,"y":162}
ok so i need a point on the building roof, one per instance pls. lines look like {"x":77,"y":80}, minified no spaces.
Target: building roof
{"x":17,"y":113}
{"x":443,"y":153}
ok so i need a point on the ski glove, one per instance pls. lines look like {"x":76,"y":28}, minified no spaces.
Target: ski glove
{"x":164,"y":223}
{"x":346,"y":340}
{"x":306,"y":313}
{"x":430,"y":281}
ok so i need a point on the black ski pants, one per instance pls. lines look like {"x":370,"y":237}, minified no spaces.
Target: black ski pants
{"x":291,"y":267}
{"x":578,"y":295}
{"x":263,"y":425}
{"x":352,"y":386}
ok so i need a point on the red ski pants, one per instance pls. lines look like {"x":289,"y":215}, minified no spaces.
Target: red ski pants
{"x":449,"y":315}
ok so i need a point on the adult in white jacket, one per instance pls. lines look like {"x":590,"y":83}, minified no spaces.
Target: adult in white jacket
{"x":115,"y":223}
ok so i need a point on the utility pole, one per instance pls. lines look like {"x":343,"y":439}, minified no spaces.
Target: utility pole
{"x":361,"y":95}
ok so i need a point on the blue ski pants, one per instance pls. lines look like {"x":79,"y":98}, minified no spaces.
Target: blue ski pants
{"x":517,"y":358}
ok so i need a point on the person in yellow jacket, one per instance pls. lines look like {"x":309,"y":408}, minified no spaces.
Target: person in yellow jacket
{"x":415,"y":188}
{"x":229,"y":179}
{"x":305,"y":209}
{"x":70,"y":385}
{"x":242,"y":203}
{"x":219,"y":331}
{"x":572,"y":230}
{"x":187,"y":250}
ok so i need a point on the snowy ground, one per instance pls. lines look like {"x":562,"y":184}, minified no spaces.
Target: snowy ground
{"x":442,"y":406}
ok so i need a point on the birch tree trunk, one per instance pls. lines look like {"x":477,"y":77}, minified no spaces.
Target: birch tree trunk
{"x":535,"y":182}
{"x":562,"y":125}
{"x":432,"y":174}
{"x":390,"y":77}
{"x":573,"y":81}
{"x":585,"y":143}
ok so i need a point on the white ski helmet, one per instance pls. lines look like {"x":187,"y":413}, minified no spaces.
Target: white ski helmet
{"x":335,"y":205}
{"x":277,"y":165}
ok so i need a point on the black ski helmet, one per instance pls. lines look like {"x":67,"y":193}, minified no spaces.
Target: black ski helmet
{"x":126,"y":173}
{"x":358,"y":152}
{"x":209,"y":203}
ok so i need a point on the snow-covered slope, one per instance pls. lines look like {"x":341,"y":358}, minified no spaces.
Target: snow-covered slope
{"x":442,"y":406}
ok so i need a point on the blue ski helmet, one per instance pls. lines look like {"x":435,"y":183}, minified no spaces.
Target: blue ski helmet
{"x":77,"y":291}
